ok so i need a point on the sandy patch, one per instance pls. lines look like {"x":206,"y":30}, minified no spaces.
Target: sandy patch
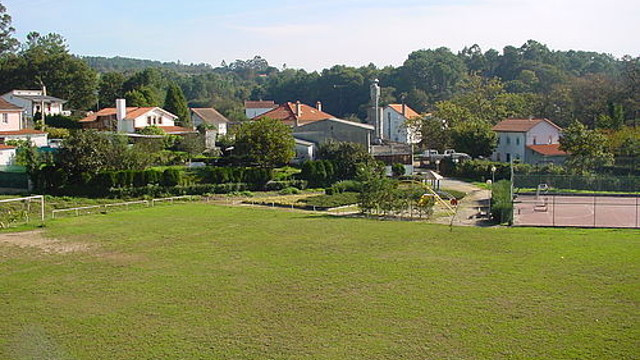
{"x":36,"y":239}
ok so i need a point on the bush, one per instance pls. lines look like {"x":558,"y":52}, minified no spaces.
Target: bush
{"x":289,"y":191}
{"x":318,"y":173}
{"x":344,"y":186}
{"x":397,"y":170}
{"x":171,"y":177}
{"x":280,"y":185}
{"x":501,"y":202}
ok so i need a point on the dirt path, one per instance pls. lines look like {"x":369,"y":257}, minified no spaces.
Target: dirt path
{"x":36,"y":239}
{"x":476,"y":198}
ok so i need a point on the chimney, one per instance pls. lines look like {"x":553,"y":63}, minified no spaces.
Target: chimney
{"x":319,"y":105}
{"x":121,"y":113}
{"x":298,"y":109}
{"x":404,"y":109}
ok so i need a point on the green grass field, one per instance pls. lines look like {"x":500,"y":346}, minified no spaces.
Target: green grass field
{"x":206,"y":282}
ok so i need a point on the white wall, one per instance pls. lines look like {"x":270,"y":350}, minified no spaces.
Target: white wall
{"x":153,"y":117}
{"x":10,"y":121}
{"x":543,"y":133}
{"x":7,"y":157}
{"x":394,"y":127}
{"x":38,"y":140}
{"x":512,"y":144}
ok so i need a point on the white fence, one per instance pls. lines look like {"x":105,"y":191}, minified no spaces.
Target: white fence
{"x":83,"y":210}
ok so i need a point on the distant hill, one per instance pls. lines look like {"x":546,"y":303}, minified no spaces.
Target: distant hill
{"x":123,"y":64}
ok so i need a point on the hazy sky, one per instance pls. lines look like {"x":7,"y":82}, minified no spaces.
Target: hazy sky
{"x":314,"y":34}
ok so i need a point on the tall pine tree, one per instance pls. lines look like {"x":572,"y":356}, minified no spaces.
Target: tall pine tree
{"x":176,"y":103}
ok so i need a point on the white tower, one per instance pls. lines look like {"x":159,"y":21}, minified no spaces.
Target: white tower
{"x":375,"y":101}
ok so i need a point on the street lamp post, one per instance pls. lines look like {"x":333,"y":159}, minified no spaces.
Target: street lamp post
{"x":493,"y":180}
{"x":438,"y":166}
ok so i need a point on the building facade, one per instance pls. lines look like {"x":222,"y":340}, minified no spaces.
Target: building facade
{"x":531,"y":141}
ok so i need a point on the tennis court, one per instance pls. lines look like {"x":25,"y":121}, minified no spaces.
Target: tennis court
{"x":577,"y":210}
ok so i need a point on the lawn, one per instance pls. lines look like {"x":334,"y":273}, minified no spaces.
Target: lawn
{"x":200,"y":281}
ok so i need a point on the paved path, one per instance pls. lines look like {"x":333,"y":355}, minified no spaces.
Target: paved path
{"x":468,"y":207}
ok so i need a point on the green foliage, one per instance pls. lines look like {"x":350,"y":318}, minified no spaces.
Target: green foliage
{"x":7,"y":42}
{"x":267,"y":142}
{"x":58,"y":133}
{"x":397,"y":170}
{"x":110,"y":88}
{"x":474,"y":137}
{"x":501,"y":202}
{"x":284,"y":184}
{"x":344,"y":186}
{"x":192,"y":144}
{"x":289,"y":191}
{"x":345,"y":157}
{"x":176,"y":104}
{"x":318,"y":173}
{"x":59,"y":121}
{"x":587,"y":148}
{"x":151,"y":130}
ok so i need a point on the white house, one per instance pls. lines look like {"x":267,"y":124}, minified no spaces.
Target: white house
{"x":129,"y":119}
{"x":305,"y":150}
{"x":532,"y":141}
{"x":31,"y":101}
{"x":256,"y":108}
{"x":209,"y":116}
{"x":7,"y":155}
{"x":394,"y":124}
{"x":12,"y":126}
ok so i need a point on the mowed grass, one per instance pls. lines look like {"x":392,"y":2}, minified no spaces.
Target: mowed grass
{"x":207,"y":282}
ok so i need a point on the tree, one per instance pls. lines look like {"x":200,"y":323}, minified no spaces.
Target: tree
{"x":474,"y":137}
{"x":176,"y":104}
{"x":437,"y":72}
{"x":46,"y":58}
{"x":139,"y":97}
{"x":267,"y":142}
{"x":110,"y":88}
{"x":7,"y":42}
{"x":588,"y":149}
{"x":347,"y":157}
{"x":434,"y":133}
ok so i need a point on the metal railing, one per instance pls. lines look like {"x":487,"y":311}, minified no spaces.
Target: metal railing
{"x":148,"y":203}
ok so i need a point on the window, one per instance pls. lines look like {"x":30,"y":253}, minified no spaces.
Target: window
{"x":535,"y":141}
{"x":508,"y":157}
{"x":550,"y":139}
{"x":160,"y":120}
{"x":5,"y":118}
{"x":517,"y":141}
{"x":148,"y":120}
{"x":508,"y":140}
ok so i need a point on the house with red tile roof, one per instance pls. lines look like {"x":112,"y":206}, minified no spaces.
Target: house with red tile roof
{"x":395,"y":119}
{"x":532,"y":141}
{"x":257,"y":108}
{"x":129,"y":119}
{"x":296,"y":114}
{"x":210,"y":117}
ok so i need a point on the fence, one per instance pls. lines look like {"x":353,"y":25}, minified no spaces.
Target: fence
{"x":103,"y":208}
{"x":580,"y":201}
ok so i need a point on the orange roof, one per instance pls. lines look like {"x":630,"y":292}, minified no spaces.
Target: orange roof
{"x":7,"y":106}
{"x":410,"y":112}
{"x":248,"y":104}
{"x":210,"y":115}
{"x":176,"y":129}
{"x":287,"y":113}
{"x":22,"y":132}
{"x":548,"y":149}
{"x":6,"y":147}
{"x":132,"y":113}
{"x":521,"y":125}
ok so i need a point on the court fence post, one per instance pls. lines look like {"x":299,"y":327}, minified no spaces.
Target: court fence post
{"x":553,"y":211}
{"x":595,"y":209}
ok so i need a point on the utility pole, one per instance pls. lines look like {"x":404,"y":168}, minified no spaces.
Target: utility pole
{"x":44,"y":94}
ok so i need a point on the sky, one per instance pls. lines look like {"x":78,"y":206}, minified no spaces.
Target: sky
{"x":314,"y":34}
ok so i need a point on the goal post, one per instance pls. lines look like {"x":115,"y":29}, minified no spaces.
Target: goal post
{"x":21,"y":210}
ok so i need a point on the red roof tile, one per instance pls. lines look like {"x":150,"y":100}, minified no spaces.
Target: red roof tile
{"x":6,"y":147}
{"x":23,"y":132}
{"x":548,"y":149}
{"x":7,"y":106}
{"x":176,"y":129}
{"x":410,"y":112}
{"x":521,"y":125}
{"x":248,"y":104}
{"x":287,"y":113}
{"x":132,"y":113}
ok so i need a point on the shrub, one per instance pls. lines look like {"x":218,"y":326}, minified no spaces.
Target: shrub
{"x":397,"y":170}
{"x":344,"y":186}
{"x":279,"y":185}
{"x":331,"y":201}
{"x":289,"y":191}
{"x":171,"y":177}
{"x":501,"y":202}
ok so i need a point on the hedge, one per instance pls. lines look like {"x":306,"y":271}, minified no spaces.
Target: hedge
{"x":318,"y":173}
{"x":280,"y":185}
{"x":501,"y":202}
{"x":161,"y":191}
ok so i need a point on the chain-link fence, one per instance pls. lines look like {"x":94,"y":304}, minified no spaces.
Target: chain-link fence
{"x":571,"y":200}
